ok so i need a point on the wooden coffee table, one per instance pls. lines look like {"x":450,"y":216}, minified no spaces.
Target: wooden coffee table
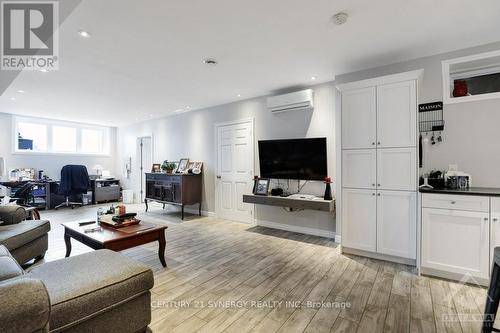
{"x":116,"y":239}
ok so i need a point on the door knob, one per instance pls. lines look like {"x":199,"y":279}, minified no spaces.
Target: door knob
{"x":219,"y":177}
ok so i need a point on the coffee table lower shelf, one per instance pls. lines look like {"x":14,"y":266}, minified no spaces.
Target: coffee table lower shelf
{"x":114,"y":239}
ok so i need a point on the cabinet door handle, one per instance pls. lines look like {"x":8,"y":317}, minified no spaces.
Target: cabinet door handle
{"x":373,"y":185}
{"x":373,"y":143}
{"x":373,"y":194}
{"x":378,"y":143}
{"x":495,"y":220}
{"x":378,"y":194}
{"x":453,"y":202}
{"x":486,"y":219}
{"x":378,"y":185}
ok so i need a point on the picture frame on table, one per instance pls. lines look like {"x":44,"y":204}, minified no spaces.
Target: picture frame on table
{"x":262,"y":186}
{"x":156,"y":168}
{"x":183,"y":165}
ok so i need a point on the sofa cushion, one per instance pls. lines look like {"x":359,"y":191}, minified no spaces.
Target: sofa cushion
{"x":9,"y":267}
{"x":14,"y":236}
{"x":82,"y":286}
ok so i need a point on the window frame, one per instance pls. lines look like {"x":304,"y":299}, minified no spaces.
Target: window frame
{"x":50,"y":124}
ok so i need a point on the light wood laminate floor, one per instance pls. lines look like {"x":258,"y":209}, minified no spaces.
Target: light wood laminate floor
{"x":225,"y":276}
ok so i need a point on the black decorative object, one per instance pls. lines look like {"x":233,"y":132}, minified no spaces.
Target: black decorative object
{"x":328,"y":189}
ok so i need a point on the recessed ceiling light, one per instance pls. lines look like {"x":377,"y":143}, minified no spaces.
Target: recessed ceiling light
{"x":84,"y":34}
{"x":12,"y":98}
{"x":21,"y":91}
{"x":340,"y":18}
{"x":313,"y":78}
{"x":188,"y":107}
{"x":239,"y":95}
{"x":210,"y":62}
{"x":43,"y":70}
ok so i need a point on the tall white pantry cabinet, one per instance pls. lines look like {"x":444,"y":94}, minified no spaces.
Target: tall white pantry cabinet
{"x":379,"y":173}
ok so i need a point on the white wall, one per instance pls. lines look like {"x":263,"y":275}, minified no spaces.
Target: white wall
{"x":471,"y":134}
{"x":50,"y":164}
{"x":192,"y":135}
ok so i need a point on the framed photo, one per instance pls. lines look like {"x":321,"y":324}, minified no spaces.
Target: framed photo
{"x":262,"y":186}
{"x":183,"y":165}
{"x":156,"y":168}
{"x":198,"y":165}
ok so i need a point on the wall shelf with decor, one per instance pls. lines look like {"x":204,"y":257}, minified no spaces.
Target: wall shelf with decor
{"x":471,"y":78}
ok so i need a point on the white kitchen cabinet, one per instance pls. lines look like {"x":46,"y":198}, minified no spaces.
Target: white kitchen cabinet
{"x":359,"y":118}
{"x":396,"y":223}
{"x":359,"y":168}
{"x":397,"y":169}
{"x":456,"y":241}
{"x":396,"y":115}
{"x":359,"y":216}
{"x":494,"y":226}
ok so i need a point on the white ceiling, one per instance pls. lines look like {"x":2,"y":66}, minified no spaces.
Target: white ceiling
{"x":144,"y":58}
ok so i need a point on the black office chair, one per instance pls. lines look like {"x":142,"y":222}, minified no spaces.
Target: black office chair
{"x":74,"y":181}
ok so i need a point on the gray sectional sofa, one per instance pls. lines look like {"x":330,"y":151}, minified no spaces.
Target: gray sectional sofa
{"x":24,"y":239}
{"x":100,"y":291}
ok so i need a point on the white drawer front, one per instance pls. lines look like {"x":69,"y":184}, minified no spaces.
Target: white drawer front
{"x":456,"y":202}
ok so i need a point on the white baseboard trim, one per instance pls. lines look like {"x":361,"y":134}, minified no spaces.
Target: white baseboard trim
{"x":294,"y":228}
{"x":379,"y":256}
{"x":203,"y":212}
{"x":338,"y":239}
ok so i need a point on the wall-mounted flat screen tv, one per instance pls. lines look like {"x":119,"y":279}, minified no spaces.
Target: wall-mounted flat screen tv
{"x":300,"y":159}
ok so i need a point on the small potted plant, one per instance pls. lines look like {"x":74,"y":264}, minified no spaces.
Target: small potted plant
{"x":168,"y":166}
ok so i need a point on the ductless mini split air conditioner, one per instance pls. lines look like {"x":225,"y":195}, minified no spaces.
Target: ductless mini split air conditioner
{"x":299,"y":100}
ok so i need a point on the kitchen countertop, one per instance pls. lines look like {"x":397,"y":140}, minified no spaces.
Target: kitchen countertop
{"x":484,"y":191}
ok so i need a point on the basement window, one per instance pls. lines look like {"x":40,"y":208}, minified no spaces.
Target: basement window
{"x":472,"y":78}
{"x":44,"y":136}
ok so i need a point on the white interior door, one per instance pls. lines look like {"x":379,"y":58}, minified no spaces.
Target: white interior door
{"x":235,"y":161}
{"x":359,"y":168}
{"x":359,"y":118}
{"x":397,"y":115}
{"x":359,"y":219}
{"x":396,"y":223}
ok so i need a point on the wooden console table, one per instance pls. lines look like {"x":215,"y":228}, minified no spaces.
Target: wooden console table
{"x":291,"y":202}
{"x":174,"y":189}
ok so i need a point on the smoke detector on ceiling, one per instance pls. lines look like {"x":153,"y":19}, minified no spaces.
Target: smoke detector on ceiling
{"x":340,"y":18}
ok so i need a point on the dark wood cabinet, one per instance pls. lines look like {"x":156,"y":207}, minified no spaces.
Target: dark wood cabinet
{"x":173,"y":189}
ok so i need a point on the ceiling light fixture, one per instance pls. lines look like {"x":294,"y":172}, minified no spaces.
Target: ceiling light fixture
{"x":239,"y":95}
{"x":12,"y":98}
{"x":188,"y":107}
{"x":313,"y":78}
{"x":340,"y":18}
{"x":84,"y":34}
{"x":43,"y":70}
{"x":21,"y":91}
{"x":210,"y":62}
